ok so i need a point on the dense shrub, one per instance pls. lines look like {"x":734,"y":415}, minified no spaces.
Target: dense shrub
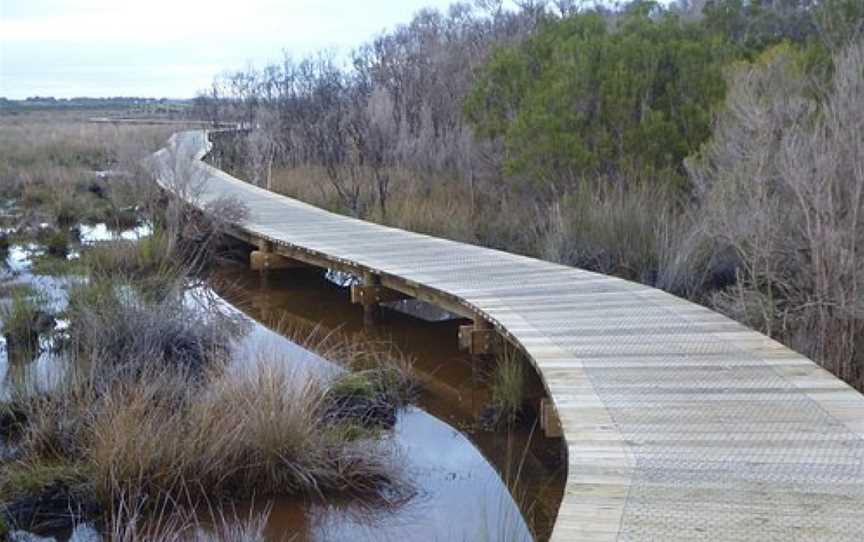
{"x":580,"y":99}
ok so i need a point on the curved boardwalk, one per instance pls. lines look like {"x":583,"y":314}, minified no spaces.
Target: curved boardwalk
{"x":680,"y":423}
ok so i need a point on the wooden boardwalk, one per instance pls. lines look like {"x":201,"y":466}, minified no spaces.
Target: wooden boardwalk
{"x":680,"y":423}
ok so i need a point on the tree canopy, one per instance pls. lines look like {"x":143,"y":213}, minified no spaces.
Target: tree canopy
{"x":584,"y":96}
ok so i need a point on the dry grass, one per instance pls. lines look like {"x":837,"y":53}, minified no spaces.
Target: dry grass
{"x":257,"y":434}
{"x":159,"y":436}
{"x":611,"y":229}
{"x":48,"y":162}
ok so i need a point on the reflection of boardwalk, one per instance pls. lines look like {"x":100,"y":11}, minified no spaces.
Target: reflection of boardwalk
{"x":680,"y":423}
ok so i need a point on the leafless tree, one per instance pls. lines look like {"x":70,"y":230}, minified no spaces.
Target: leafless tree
{"x":782,"y":186}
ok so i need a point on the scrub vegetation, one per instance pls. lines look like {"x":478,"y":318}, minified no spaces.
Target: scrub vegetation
{"x":706,"y":147}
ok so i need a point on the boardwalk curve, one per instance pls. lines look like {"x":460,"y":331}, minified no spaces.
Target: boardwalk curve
{"x":680,"y":423}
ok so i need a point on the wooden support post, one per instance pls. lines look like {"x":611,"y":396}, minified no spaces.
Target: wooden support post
{"x":550,"y":423}
{"x":265,"y":247}
{"x":364,"y":294}
{"x":371,"y":307}
{"x":479,"y":338}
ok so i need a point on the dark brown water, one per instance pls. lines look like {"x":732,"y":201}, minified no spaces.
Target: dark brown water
{"x":470,"y":484}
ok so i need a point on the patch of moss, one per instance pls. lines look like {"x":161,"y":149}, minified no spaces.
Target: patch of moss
{"x":347,"y":431}
{"x":24,"y":479}
{"x":360,"y":384}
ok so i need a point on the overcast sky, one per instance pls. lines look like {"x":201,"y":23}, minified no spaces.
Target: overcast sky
{"x":171,"y":48}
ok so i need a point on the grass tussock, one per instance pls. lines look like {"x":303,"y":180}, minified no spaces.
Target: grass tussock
{"x":368,"y":364}
{"x":152,"y":256}
{"x":160,"y":436}
{"x":56,"y":241}
{"x":508,"y":384}
{"x":122,"y":322}
{"x":23,"y":319}
{"x":54,"y":266}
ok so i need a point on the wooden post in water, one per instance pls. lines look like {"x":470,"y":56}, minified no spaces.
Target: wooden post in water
{"x":479,"y":338}
{"x":265,"y":248}
{"x":370,"y":293}
{"x":371,"y":305}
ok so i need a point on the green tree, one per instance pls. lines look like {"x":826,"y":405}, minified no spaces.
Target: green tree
{"x":581,"y":99}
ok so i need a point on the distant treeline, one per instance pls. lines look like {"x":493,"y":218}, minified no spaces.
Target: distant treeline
{"x":710,"y":147}
{"x":85,"y":102}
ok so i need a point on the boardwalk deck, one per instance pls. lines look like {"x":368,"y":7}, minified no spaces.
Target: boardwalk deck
{"x":680,"y":423}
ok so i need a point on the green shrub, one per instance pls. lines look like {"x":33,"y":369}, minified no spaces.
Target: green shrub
{"x":147,"y":259}
{"x":579,"y":99}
